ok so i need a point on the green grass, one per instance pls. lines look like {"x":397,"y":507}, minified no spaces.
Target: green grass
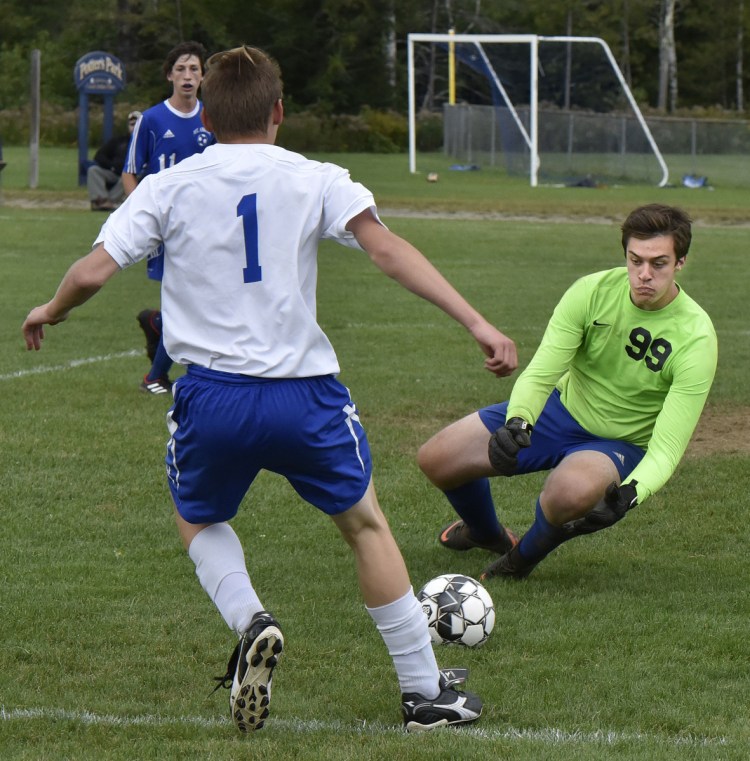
{"x":485,"y":192}
{"x":631,"y":644}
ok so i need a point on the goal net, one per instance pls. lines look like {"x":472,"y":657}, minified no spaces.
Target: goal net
{"x":555,"y":109}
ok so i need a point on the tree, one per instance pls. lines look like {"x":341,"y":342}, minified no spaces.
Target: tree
{"x":740,"y":55}
{"x":339,"y":55}
{"x":667,"y":58}
{"x":625,"y":49}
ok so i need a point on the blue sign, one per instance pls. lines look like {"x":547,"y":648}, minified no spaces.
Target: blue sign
{"x":96,"y":73}
{"x":99,"y":73}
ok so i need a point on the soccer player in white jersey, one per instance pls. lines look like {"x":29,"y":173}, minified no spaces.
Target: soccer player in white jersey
{"x":166,"y":134}
{"x":608,"y":404}
{"x":241,"y":224}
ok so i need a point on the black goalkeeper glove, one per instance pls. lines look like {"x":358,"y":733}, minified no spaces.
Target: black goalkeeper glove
{"x":617,"y":501}
{"x":506,"y":443}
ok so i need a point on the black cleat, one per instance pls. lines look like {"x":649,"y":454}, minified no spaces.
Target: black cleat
{"x":511,"y":564}
{"x":156,"y":387}
{"x":250,"y":671}
{"x":451,"y":706}
{"x":456,"y":536}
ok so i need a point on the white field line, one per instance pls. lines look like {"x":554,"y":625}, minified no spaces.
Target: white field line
{"x":549,"y":735}
{"x":43,"y":369}
{"x":73,"y":363}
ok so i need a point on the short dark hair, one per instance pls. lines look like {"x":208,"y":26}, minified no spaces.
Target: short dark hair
{"x":655,"y":219}
{"x":184,"y":48}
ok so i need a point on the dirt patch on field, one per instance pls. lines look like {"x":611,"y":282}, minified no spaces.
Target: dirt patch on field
{"x":69,"y":200}
{"x":43,"y":202}
{"x":721,"y":431}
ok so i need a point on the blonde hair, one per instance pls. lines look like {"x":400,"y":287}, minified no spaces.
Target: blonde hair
{"x":239,"y":91}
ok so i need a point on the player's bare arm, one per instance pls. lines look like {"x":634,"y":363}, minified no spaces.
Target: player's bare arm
{"x":401,"y":261}
{"x":84,"y":278}
{"x":129,"y":182}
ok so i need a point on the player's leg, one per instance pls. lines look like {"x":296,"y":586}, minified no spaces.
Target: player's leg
{"x":456,"y":461}
{"x":381,"y":570}
{"x":209,"y":473}
{"x":220,"y":566}
{"x":96,"y":182}
{"x":333,"y":472}
{"x":115,"y":190}
{"x":571,"y":491}
{"x":576,"y":485}
{"x":388,"y":594}
{"x":428,"y":699}
{"x":582,"y":466}
{"x":150,"y":322}
{"x":156,"y":380}
{"x":219,"y":560}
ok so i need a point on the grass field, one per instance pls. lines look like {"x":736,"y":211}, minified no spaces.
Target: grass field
{"x":632,"y":644}
{"x":484,"y":192}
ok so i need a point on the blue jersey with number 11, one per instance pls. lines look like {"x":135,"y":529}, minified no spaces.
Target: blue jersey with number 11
{"x":163,"y":137}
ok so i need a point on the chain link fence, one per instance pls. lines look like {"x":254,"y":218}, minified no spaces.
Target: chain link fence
{"x":581,"y":147}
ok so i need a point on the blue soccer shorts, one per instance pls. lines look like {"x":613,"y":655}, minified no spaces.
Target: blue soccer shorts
{"x":155,"y":264}
{"x":224,"y":428}
{"x":556,"y":435}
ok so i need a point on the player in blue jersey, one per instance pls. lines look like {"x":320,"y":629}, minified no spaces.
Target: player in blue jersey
{"x":166,"y":134}
{"x":608,"y":404}
{"x":241,"y":224}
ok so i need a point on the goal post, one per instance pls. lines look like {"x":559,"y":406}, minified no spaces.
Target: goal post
{"x":529,"y":132}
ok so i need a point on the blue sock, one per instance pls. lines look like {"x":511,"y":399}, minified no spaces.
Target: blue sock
{"x":473,"y":503}
{"x":541,"y":538}
{"x":162,"y":363}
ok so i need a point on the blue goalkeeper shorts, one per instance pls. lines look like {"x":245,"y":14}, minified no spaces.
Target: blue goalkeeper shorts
{"x":556,"y":435}
{"x":224,"y":428}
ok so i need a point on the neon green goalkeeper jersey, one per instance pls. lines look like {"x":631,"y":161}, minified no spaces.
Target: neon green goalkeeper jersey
{"x":623,"y":372}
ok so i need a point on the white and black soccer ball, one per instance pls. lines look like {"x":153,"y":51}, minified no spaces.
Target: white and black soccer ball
{"x":459,"y":610}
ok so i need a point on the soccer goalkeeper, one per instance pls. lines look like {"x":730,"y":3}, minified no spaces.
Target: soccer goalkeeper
{"x":241,"y":223}
{"x":608,"y":404}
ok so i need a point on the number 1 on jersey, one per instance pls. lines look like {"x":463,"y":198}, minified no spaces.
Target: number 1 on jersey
{"x":247,"y":209}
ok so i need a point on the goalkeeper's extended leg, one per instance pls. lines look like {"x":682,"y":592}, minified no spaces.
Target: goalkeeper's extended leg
{"x":456,"y":461}
{"x":571,"y":492}
{"x":534,"y":546}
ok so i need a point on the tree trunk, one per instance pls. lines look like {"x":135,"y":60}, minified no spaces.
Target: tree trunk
{"x":740,"y":54}
{"x":625,"y":27}
{"x":127,"y":40}
{"x":180,"y":30}
{"x":667,"y":58}
{"x":390,"y":48}
{"x":568,"y":59}
{"x":428,"y":101}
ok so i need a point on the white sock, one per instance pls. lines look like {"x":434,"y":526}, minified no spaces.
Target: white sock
{"x":403,"y":626}
{"x":220,"y":567}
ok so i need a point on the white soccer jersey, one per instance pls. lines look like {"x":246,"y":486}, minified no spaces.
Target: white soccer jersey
{"x":241,"y":225}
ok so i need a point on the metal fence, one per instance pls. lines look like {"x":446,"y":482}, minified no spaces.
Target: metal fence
{"x":580,"y":146}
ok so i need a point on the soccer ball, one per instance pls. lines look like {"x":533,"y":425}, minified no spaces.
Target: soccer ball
{"x":459,"y":610}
